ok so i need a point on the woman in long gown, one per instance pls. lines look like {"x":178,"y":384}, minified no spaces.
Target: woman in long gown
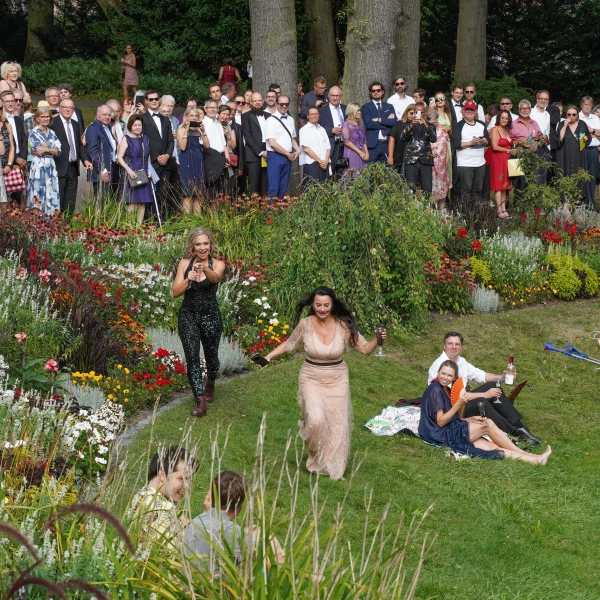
{"x":441,"y":424}
{"x":324,"y":391}
{"x":570,"y":156}
{"x":355,"y":141}
{"x":497,"y":156}
{"x":44,"y":146}
{"x":441,"y":182}
{"x":133,"y":155}
{"x":192,"y":143}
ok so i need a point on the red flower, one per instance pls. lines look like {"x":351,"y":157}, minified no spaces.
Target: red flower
{"x":462,"y":233}
{"x":523,"y":217}
{"x":476,"y":246}
{"x":538,"y":212}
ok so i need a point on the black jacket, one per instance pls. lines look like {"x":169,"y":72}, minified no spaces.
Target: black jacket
{"x":62,"y":160}
{"x":326,"y":121}
{"x":159,"y":144}
{"x":253,"y":135}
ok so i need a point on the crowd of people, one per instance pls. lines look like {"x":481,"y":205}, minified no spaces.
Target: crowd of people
{"x":448,"y":146}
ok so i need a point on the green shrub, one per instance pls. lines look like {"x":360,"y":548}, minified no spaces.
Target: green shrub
{"x":179,"y":87}
{"x":450,"y":285}
{"x":592,"y":259}
{"x":369,"y":239}
{"x":480,"y":270}
{"x":590,"y":283}
{"x":491,"y":90}
{"x":565,"y":283}
{"x":88,"y":77}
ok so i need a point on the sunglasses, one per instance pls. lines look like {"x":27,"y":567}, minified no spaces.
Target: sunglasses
{"x":242,"y":102}
{"x":399,"y":83}
{"x":469,"y":91}
{"x":376,"y":91}
{"x":283,"y":104}
{"x":18,"y":101}
{"x":571,"y":114}
{"x":440,"y":99}
{"x":153,"y":99}
{"x":505,"y":103}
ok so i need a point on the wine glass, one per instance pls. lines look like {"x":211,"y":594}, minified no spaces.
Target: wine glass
{"x":379,"y":332}
{"x":481,"y":406}
{"x":499,"y":386}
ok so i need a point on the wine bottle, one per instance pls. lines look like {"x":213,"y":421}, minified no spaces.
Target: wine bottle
{"x":511,"y":372}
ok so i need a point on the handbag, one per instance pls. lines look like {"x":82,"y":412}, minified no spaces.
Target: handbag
{"x":342,"y":163}
{"x":140,"y":180}
{"x":14,"y":181}
{"x":514,"y":167}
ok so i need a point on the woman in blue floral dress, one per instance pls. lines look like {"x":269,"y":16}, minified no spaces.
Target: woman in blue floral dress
{"x":42,"y":189}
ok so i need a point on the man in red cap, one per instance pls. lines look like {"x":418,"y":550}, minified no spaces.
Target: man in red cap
{"x":470,"y":138}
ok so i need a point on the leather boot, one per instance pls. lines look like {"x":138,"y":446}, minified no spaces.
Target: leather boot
{"x":209,"y":390}
{"x":200,"y":410}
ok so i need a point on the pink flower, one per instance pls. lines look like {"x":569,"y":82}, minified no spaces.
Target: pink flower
{"x":21,"y":273}
{"x":51,"y":365}
{"x":45,"y":275}
{"x":21,"y":337}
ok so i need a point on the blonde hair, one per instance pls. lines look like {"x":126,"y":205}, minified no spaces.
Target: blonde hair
{"x":351,"y":109}
{"x":3,"y":113}
{"x":41,"y":111}
{"x":189,"y":247}
{"x":407,"y":110}
{"x":8,"y":66}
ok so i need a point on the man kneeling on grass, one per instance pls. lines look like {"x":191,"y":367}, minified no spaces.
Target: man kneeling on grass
{"x":498,"y":408}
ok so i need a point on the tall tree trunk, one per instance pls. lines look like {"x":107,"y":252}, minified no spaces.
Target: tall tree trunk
{"x":275,"y":53}
{"x":471,"y":41}
{"x":370,"y":46}
{"x":40,"y":26}
{"x":408,"y":39}
{"x":322,"y":40}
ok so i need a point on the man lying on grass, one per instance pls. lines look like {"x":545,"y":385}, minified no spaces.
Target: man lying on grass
{"x":498,"y":408}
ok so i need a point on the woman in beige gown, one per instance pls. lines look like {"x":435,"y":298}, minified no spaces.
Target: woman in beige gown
{"x":324,"y":391}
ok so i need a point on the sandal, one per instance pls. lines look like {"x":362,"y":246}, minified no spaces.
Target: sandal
{"x":503,"y":213}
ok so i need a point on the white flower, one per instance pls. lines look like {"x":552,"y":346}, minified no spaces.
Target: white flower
{"x":251,"y":278}
{"x":258,"y":301}
{"x":100,"y":460}
{"x":266,"y":305}
{"x":245,"y":283}
{"x":263,"y":298}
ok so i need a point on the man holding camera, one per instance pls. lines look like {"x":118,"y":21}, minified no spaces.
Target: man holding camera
{"x":331,"y":117}
{"x":317,"y":97}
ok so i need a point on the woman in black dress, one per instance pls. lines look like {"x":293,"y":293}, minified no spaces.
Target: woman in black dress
{"x":570,"y":151}
{"x":198,"y":276}
{"x":441,"y":424}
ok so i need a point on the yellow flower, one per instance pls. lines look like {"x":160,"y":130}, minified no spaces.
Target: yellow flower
{"x":286,"y":326}
{"x":126,"y":391}
{"x":119,"y":366}
{"x":118,"y":387}
{"x":513,"y":303}
{"x":110,"y":397}
{"x":275,"y":323}
{"x":270,"y":328}
{"x":260,"y":321}
{"x":91,"y":373}
{"x":126,"y":400}
{"x":126,"y":370}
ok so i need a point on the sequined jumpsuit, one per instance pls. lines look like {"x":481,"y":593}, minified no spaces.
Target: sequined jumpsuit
{"x":200,"y":322}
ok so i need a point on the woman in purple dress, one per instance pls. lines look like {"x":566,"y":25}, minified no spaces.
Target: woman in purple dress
{"x":355,"y":141}
{"x":133,"y":155}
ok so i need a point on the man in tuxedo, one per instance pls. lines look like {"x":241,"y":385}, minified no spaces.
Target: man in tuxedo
{"x":379,"y":117}
{"x":456,"y":104}
{"x":101,"y":150}
{"x":238,"y":150}
{"x":65,"y":91}
{"x":253,"y":124}
{"x":68,"y":132}
{"x":160,"y":137}
{"x":331,"y":117}
{"x":19,"y":135}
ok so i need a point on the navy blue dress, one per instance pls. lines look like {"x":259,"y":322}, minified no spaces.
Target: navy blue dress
{"x":455,"y":433}
{"x":191,"y":165}
{"x":136,"y":156}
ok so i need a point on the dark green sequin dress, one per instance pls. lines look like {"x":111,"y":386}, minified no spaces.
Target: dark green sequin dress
{"x":200,"y":322}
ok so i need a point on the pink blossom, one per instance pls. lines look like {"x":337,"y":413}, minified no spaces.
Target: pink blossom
{"x":21,"y":337}
{"x":51,"y":365}
{"x":45,"y":275}
{"x":21,"y":273}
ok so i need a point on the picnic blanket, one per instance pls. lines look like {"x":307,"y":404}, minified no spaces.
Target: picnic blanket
{"x":396,"y":419}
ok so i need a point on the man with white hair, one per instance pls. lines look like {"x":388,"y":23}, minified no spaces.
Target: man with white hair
{"x":167,"y":104}
{"x":52,"y":96}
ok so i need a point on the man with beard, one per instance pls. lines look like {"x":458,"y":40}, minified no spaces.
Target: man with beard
{"x":253,"y":124}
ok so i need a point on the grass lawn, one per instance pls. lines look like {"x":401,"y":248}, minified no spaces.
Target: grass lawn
{"x":506,"y":530}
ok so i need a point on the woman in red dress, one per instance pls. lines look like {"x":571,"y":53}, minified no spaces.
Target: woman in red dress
{"x":229,"y":74}
{"x":497,"y":157}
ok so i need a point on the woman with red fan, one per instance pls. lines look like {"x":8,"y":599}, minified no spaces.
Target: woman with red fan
{"x":441,"y":424}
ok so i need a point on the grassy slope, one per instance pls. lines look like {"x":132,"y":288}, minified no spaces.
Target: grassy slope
{"x":506,"y":530}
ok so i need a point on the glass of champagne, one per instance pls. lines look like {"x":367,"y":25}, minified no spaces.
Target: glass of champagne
{"x":379,"y":333}
{"x":499,"y":386}
{"x":481,"y":406}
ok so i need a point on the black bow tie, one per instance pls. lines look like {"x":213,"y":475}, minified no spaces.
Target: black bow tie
{"x":157,"y":115}
{"x":284,"y":116}
{"x":458,"y":105}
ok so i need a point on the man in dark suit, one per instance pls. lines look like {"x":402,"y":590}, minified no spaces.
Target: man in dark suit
{"x":66,"y":93}
{"x":20,"y":137}
{"x":256,"y":149}
{"x":379,"y":117}
{"x":160,"y":136}
{"x":68,"y":132}
{"x":331,"y":117}
{"x":101,"y":150}
{"x":317,"y":97}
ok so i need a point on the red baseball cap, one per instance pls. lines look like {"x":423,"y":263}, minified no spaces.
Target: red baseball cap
{"x":469,"y":105}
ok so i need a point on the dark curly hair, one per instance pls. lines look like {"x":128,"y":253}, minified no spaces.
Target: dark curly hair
{"x":338,"y":309}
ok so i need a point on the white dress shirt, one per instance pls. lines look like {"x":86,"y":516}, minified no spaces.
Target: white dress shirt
{"x":400,"y":104}
{"x":157,"y":122}
{"x":594,"y":122}
{"x":315,"y":138}
{"x":214,"y":133}
{"x":465,"y":370}
{"x":11,"y":119}
{"x":69,"y":127}
{"x":275,"y":130}
{"x":379,"y":104}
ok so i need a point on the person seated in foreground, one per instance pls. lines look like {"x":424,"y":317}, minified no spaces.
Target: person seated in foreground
{"x":156,"y":503}
{"x":441,"y":424}
{"x":207,"y":532}
{"x":498,"y":408}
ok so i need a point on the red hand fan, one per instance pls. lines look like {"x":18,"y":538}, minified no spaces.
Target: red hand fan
{"x":457,"y":387}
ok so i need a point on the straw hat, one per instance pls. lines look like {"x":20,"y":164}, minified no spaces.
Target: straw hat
{"x":43,"y":104}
